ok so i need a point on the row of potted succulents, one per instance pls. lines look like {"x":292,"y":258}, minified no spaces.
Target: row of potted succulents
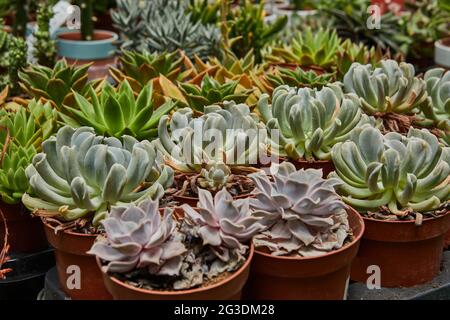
{"x":161,"y":184}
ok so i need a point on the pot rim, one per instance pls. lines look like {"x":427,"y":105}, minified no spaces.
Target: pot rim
{"x":404,"y":222}
{"x":440,"y":44}
{"x":113,"y":37}
{"x":335,"y":252}
{"x":84,"y":235}
{"x":182,"y":292}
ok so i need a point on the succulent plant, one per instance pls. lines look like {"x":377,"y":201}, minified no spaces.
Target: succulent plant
{"x":118,"y":112}
{"x":44,"y":46}
{"x":137,"y":236}
{"x":138,"y":68}
{"x":21,"y":135}
{"x":214,"y":176}
{"x":58,"y":84}
{"x":204,"y":11}
{"x":296,"y":78}
{"x":212,"y":92}
{"x":224,"y":224}
{"x":436,"y":108}
{"x":402,"y":173}
{"x":306,"y":123}
{"x":357,"y":25}
{"x":16,"y":60}
{"x":302,"y":213}
{"x":308,"y":48}
{"x":231,"y":135}
{"x":79,"y":173}
{"x":164,"y":26}
{"x":391,"y":88}
{"x":249,"y":30}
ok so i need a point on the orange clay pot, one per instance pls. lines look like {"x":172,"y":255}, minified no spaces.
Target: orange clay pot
{"x":228,"y":289}
{"x":298,"y":278}
{"x":406,"y":254}
{"x":70,"y":250}
{"x":25,"y":232}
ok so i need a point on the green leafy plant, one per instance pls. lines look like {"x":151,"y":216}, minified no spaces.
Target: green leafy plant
{"x":56,"y":85}
{"x":116,"y":112}
{"x":404,"y":174}
{"x":305,"y":123}
{"x":247,"y":29}
{"x":204,"y":11}
{"x":16,"y":60}
{"x":212,"y":92}
{"x":79,"y":173}
{"x":44,"y":46}
{"x":313,"y":219}
{"x":308,"y":48}
{"x":297,"y":78}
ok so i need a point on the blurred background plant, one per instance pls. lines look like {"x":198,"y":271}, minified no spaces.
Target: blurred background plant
{"x":44,"y":46}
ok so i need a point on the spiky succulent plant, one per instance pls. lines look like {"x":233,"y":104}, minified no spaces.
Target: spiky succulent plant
{"x":436,"y":108}
{"x":79,"y":173}
{"x":308,"y":48}
{"x":306,"y":123}
{"x":302,"y":211}
{"x":297,"y":78}
{"x":56,"y":85}
{"x":117,"y":112}
{"x":391,"y":88}
{"x":164,"y":26}
{"x":212,"y":92}
{"x":224,"y":224}
{"x":402,"y":173}
{"x":139,"y":237}
{"x":138,"y":68}
{"x":21,"y":135}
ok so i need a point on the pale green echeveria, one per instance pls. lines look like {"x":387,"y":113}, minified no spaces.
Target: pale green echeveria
{"x":389,"y":88}
{"x":226,"y":225}
{"x":301,"y":211}
{"x":305,"y":123}
{"x":79,"y":172}
{"x":402,"y":173}
{"x":139,"y":237}
{"x":231,"y":136}
{"x":436,"y":108}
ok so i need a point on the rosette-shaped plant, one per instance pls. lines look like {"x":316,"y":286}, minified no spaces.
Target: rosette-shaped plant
{"x":297,"y":78}
{"x":117,"y":112}
{"x":391,"y":88}
{"x":139,"y":237}
{"x":212,"y":92}
{"x":138,"y":68}
{"x":437,"y":107}
{"x":401,"y":173}
{"x":58,"y":84}
{"x":79,"y":173}
{"x":224,"y":224}
{"x":305,"y":123}
{"x":308,"y":48}
{"x":21,"y":135}
{"x":304,"y":214}
{"x":231,"y":135}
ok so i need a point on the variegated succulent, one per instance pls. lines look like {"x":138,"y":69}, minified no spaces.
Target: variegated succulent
{"x":212,"y":92}
{"x":302,"y":213}
{"x":400,"y":173}
{"x":138,"y":237}
{"x":79,"y":173}
{"x":117,"y":112}
{"x":389,"y":88}
{"x":58,"y":84}
{"x":305,"y":123}
{"x":231,"y":136}
{"x":436,"y":108}
{"x":226,"y":225}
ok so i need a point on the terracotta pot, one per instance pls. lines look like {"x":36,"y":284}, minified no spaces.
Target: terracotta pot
{"x":70,"y":250}
{"x":406,"y":254}
{"x":297,"y":278}
{"x":25,"y":232}
{"x":100,"y":50}
{"x":447,"y":240}
{"x":228,"y":289}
